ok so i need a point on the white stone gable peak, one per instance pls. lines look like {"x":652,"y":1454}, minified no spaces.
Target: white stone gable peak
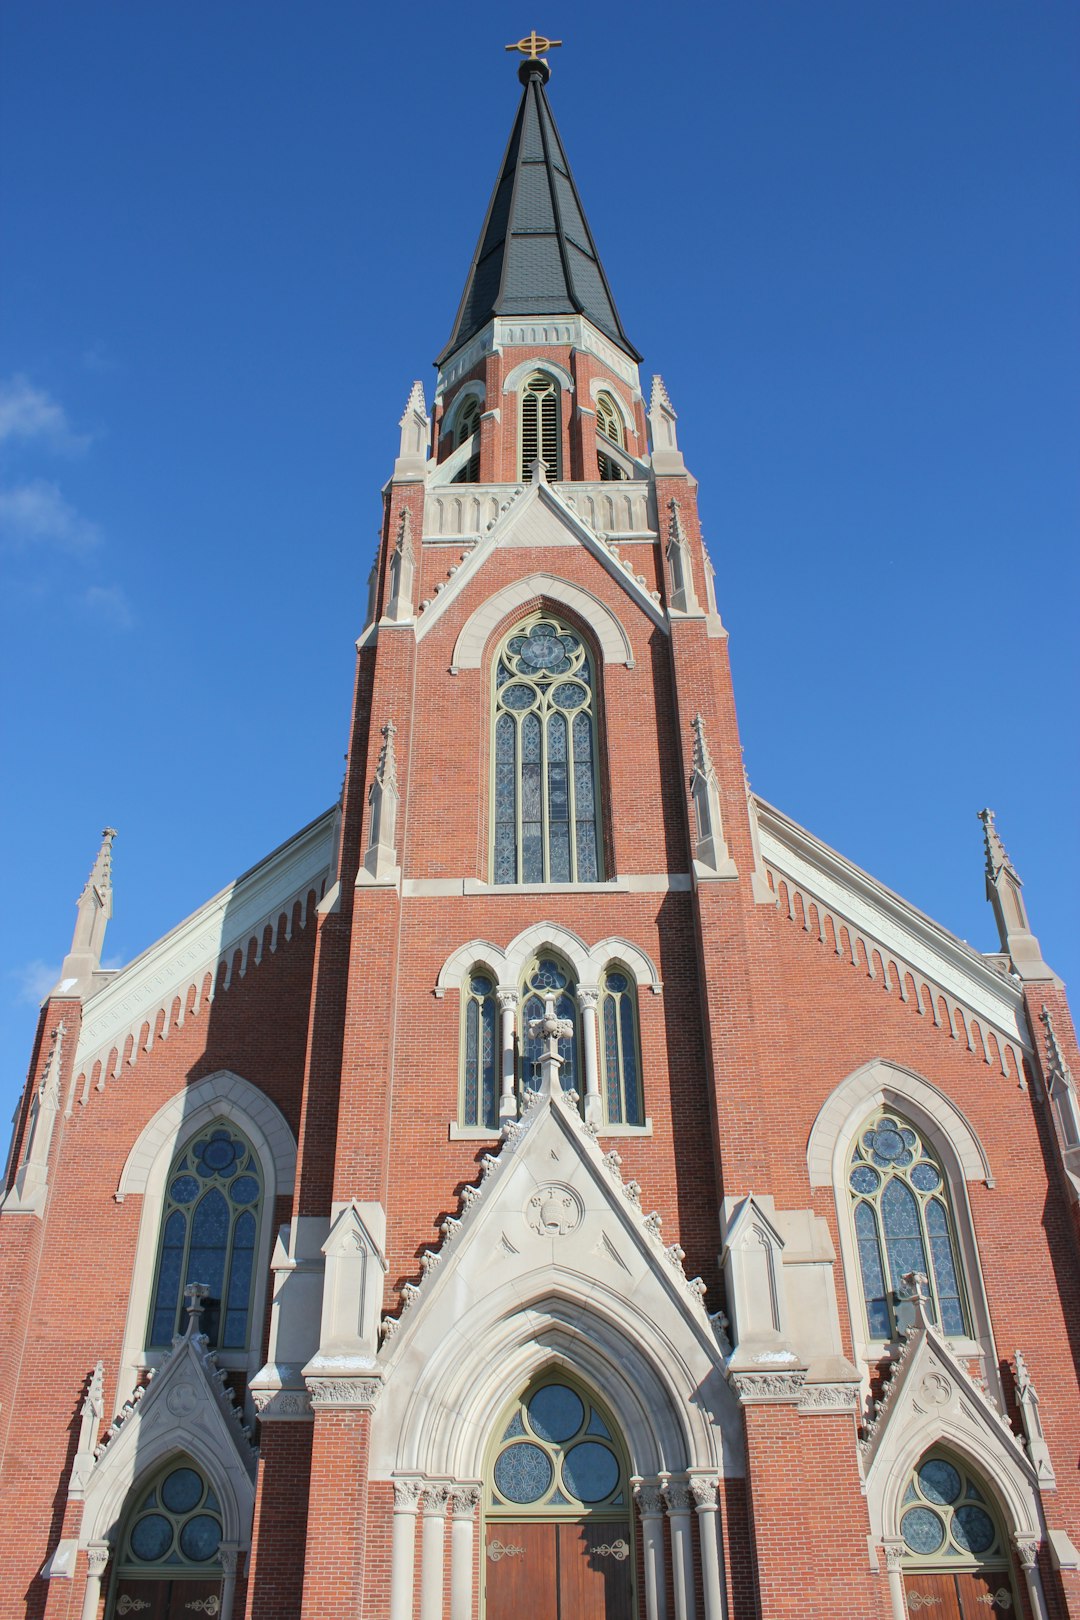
{"x":351,"y":1234}
{"x":539,"y":514}
{"x":752,"y":1223}
{"x":550,"y":1198}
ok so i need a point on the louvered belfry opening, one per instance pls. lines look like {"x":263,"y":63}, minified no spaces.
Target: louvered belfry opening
{"x":540,"y":436}
{"x":468,"y":425}
{"x":608,"y":426}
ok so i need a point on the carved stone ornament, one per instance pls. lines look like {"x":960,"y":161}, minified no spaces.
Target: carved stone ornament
{"x":677,"y":1496}
{"x":407,"y":1495}
{"x":361,"y":1393}
{"x":436,"y":1500}
{"x":935,"y":1389}
{"x":768,"y":1386}
{"x":829,"y":1398}
{"x":704,"y":1488}
{"x":229,"y":1559}
{"x":182,"y":1400}
{"x":1027,"y":1550}
{"x":281,"y":1405}
{"x":97,"y":1558}
{"x":895,"y":1554}
{"x":464,"y":1501}
{"x":554,"y":1210}
{"x":649,"y":1496}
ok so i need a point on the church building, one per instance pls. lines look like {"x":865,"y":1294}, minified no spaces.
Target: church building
{"x":553,"y":1185}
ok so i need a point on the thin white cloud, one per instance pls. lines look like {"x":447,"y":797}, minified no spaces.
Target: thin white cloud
{"x":29,"y":413}
{"x":34,"y":980}
{"x":37,"y":514}
{"x":110,"y":605}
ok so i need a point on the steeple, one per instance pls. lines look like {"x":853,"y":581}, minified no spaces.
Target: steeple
{"x":94,"y":911}
{"x":536,"y":254}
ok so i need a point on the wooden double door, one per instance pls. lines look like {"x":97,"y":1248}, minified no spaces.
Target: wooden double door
{"x":558,"y":1570}
{"x":970,"y":1594}
{"x":165,"y":1600}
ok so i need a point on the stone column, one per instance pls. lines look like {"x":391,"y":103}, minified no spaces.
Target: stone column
{"x":678,"y":1499}
{"x":464,"y":1500}
{"x":894,"y":1568}
{"x":229,"y":1555}
{"x":703,"y":1488}
{"x":594,"y":1103}
{"x":433,"y":1551}
{"x":1027,"y":1548}
{"x":648,"y":1494}
{"x":97,"y":1557}
{"x":508,"y":1004}
{"x":403,"y":1548}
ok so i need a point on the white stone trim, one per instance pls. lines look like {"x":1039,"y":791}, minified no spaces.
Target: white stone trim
{"x":612,"y":640}
{"x":520,"y":374}
{"x":601,"y":385}
{"x":223,"y":1095}
{"x":890,"y":1085}
{"x":588,"y":962}
{"x":476,"y":389}
{"x":231,"y":922}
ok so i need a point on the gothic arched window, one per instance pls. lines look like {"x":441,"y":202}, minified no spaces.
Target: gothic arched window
{"x":558,"y":1454}
{"x":468,"y":423}
{"x":619,"y":1042}
{"x":954,"y":1549}
{"x":210,"y":1223}
{"x":609,"y":425}
{"x":480,"y":1074}
{"x":541,"y":426}
{"x":546,"y":810}
{"x":546,"y":976}
{"x":903,"y":1223}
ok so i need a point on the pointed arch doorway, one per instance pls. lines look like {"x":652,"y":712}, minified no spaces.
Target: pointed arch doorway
{"x":558,"y":1531}
{"x":956,"y":1559}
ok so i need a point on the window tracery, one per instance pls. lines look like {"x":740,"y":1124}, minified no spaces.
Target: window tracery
{"x":556,"y":1455}
{"x":546,"y":976}
{"x":945,"y":1517}
{"x":209,"y":1230}
{"x":546,"y":820}
{"x":903,"y":1223}
{"x":176,"y":1524}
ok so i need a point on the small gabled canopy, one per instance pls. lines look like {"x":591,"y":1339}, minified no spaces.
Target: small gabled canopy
{"x":536,"y":255}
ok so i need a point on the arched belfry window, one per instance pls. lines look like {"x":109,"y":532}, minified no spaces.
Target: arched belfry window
{"x":210,"y":1223}
{"x":903,"y":1223}
{"x":468,"y":423}
{"x":541,"y":426}
{"x":172,"y":1536}
{"x":547,"y":976}
{"x":546,"y":799}
{"x":955,"y":1554}
{"x":619,"y":1039}
{"x":480,"y":1075}
{"x":609,"y":425}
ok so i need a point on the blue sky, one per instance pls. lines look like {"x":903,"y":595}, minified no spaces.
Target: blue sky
{"x":846,"y":233}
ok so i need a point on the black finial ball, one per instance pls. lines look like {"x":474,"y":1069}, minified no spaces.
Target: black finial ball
{"x":534,"y":67}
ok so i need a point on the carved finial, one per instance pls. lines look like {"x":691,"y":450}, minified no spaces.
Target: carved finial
{"x":538,"y":472}
{"x":93,"y":913}
{"x":415,"y":426}
{"x":1056,"y":1065}
{"x":49,"y":1087}
{"x":666,"y":456}
{"x":660,"y":398}
{"x":703,"y":765}
{"x":1023,"y":1377}
{"x":194,"y":1294}
{"x":551,"y":1029}
{"x":387,"y":767}
{"x":917,"y":1295}
{"x":1004,"y":892}
{"x":415,"y":404}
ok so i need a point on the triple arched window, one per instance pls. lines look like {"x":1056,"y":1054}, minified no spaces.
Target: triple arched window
{"x":541,"y":426}
{"x":209,"y":1231}
{"x":545,"y":823}
{"x":903,"y":1223}
{"x":615,"y":1030}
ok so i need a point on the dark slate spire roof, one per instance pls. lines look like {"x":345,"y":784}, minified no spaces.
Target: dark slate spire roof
{"x":536,"y":254}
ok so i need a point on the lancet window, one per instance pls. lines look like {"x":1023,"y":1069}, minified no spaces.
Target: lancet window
{"x":480,"y":1070}
{"x":468,"y":423}
{"x":541,"y":426}
{"x":609,"y":425}
{"x":546,"y":799}
{"x":903,"y":1223}
{"x":619,"y":1037}
{"x":209,"y":1230}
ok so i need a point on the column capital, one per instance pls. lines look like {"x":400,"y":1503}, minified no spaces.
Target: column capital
{"x":677,"y":1496}
{"x":464,"y":1501}
{"x":704,"y":1489}
{"x":436,"y":1500}
{"x":508,"y":997}
{"x":588,"y":997}
{"x":895,"y":1551}
{"x":97,"y":1556}
{"x":229,"y":1554}
{"x":649,"y":1496}
{"x":407,"y":1493}
{"x":1027,"y":1549}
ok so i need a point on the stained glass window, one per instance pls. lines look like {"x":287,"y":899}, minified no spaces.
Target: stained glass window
{"x":546,"y":975}
{"x":903,"y":1223}
{"x":557,"y":1455}
{"x":480,"y":1099}
{"x":209,"y":1229}
{"x":545,"y":792}
{"x":177,"y":1522}
{"x":619,"y":1041}
{"x":946,"y":1518}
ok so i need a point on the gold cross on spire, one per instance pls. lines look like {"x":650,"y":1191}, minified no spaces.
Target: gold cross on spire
{"x":534,"y":45}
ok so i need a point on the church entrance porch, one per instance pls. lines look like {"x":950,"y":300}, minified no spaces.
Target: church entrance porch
{"x":558,"y":1571}
{"x":558,"y":1538}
